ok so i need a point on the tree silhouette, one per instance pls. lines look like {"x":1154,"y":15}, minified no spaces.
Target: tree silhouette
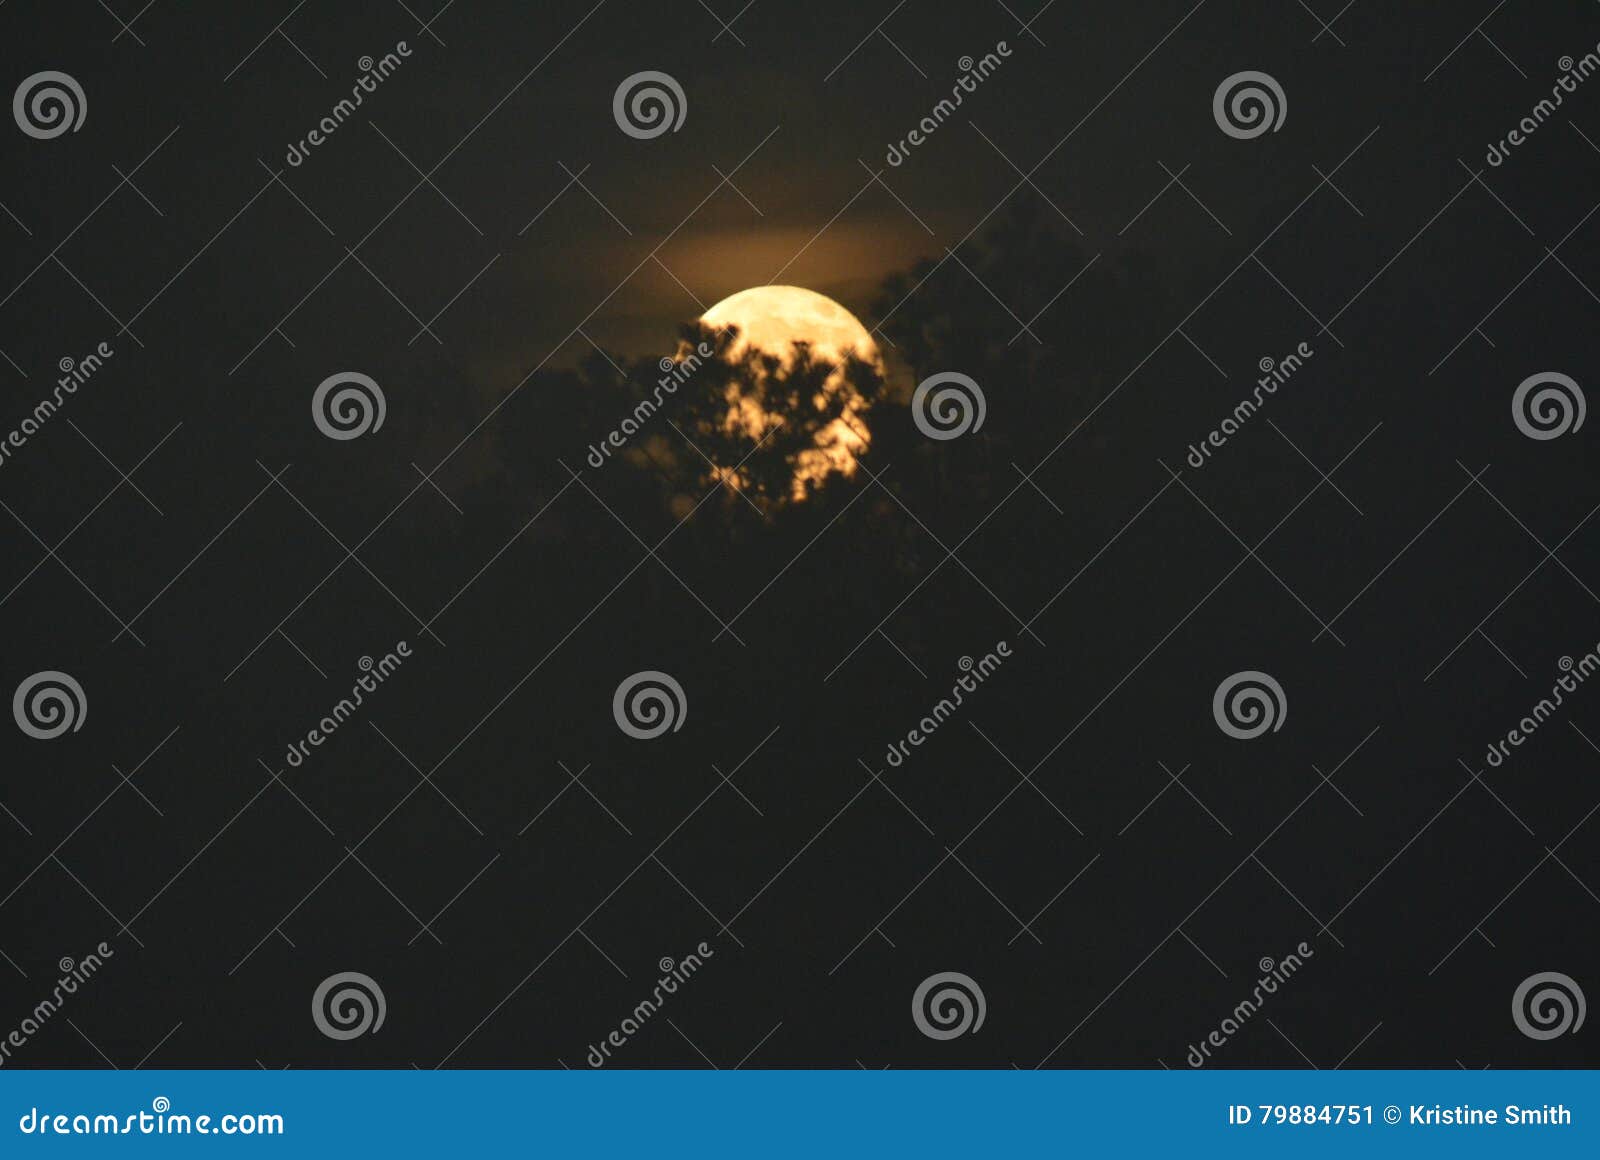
{"x":767,"y":425}
{"x":775,"y":425}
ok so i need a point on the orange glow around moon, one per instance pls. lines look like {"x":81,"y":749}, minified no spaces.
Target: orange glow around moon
{"x":772,"y":319}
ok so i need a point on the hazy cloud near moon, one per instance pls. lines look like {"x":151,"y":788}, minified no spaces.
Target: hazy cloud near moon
{"x":643,"y":316}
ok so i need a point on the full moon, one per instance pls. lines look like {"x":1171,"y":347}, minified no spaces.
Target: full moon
{"x":774,"y":318}
{"x":771,"y":319}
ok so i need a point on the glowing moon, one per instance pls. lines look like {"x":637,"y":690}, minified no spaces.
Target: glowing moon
{"x":771,"y":319}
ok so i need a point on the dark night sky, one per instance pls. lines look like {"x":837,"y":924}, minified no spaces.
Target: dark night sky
{"x":488,"y":845}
